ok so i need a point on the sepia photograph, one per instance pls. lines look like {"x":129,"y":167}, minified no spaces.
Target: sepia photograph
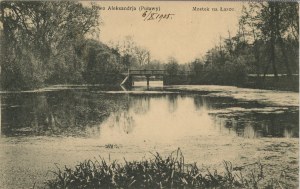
{"x":149,"y":94}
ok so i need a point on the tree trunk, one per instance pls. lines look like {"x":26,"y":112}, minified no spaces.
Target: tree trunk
{"x":280,"y":40}
{"x":272,"y":41}
{"x":285,"y":57}
{"x":272,"y":56}
{"x":257,"y":59}
{"x":256,"y":54}
{"x":266,"y":69}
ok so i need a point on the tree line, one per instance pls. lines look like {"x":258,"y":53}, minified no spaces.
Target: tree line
{"x":44,"y":43}
{"x":267,"y":42}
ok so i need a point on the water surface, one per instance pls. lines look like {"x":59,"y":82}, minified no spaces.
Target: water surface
{"x":159,"y":113}
{"x":64,"y":125}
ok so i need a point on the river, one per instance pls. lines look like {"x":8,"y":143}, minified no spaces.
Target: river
{"x":67,"y":124}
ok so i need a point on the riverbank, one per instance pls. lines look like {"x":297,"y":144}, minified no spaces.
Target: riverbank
{"x":26,"y":162}
{"x":283,"y":83}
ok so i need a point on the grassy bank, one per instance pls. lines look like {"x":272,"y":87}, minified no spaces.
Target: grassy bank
{"x":160,"y":172}
{"x":283,"y":83}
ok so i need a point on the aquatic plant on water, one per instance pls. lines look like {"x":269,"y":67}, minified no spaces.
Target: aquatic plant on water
{"x":170,"y":172}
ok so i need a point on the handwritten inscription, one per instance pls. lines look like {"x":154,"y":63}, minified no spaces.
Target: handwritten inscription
{"x":150,"y":15}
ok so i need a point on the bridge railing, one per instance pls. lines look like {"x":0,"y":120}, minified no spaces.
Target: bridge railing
{"x":146,"y":72}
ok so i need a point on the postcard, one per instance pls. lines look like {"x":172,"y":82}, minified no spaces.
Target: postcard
{"x":149,"y":94}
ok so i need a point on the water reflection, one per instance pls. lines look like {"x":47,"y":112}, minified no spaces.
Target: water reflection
{"x":141,"y":104}
{"x":260,"y":125}
{"x":54,"y":113}
{"x":138,"y":117}
{"x":157,"y":122}
{"x":172,"y":103}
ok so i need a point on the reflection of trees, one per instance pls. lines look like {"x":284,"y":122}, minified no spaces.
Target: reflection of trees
{"x":200,"y":102}
{"x":261,"y":125}
{"x":123,"y":121}
{"x":214,"y":102}
{"x":140,"y":104}
{"x":172,"y":99}
{"x":251,"y":131}
{"x":279,"y":125}
{"x":15,"y":112}
{"x":58,"y":113}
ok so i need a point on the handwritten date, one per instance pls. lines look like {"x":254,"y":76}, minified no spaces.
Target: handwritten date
{"x":149,"y":15}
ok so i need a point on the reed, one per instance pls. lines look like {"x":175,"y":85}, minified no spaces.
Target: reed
{"x":170,"y":172}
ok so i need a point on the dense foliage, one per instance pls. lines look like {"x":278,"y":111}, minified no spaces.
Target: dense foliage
{"x":47,"y":43}
{"x":40,"y":42}
{"x":267,"y":42}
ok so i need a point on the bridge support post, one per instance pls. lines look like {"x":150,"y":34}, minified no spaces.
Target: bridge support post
{"x":148,"y":80}
{"x":130,"y":82}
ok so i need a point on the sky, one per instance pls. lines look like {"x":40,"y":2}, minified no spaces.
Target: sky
{"x":188,"y":35}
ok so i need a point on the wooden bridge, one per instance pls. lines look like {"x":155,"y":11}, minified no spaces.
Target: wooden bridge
{"x":147,"y":73}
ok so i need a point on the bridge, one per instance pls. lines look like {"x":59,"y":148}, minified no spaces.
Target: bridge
{"x":147,"y":73}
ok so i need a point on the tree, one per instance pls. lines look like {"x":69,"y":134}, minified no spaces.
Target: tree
{"x":197,"y":66}
{"x":172,"y":67}
{"x":134,"y":56}
{"x":273,"y":23}
{"x":143,"y":55}
{"x":41,"y":39}
{"x":101,"y":61}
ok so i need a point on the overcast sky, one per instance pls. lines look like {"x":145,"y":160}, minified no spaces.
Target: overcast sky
{"x":188,"y":35}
